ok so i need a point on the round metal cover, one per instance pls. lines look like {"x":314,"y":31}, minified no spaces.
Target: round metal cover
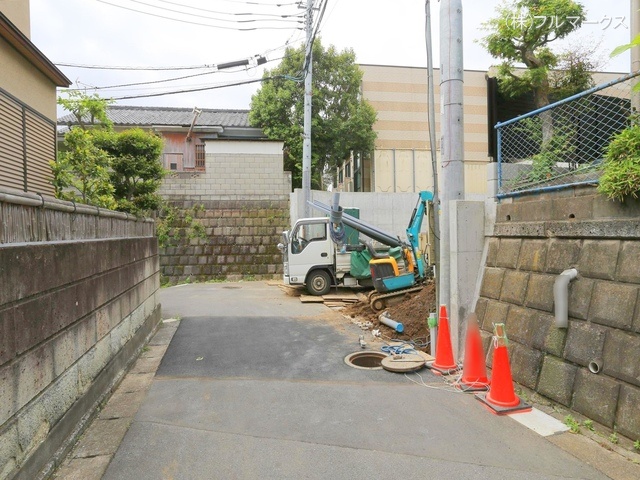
{"x":409,"y":362}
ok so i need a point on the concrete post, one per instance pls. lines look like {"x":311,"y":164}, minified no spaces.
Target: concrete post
{"x":467,"y":246}
{"x":452,"y":131}
{"x":308,"y":91}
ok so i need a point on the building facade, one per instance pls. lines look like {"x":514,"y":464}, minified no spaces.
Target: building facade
{"x":28,"y":82}
{"x":401,"y":161}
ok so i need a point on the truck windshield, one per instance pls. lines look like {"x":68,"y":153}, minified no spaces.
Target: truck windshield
{"x":305,"y":233}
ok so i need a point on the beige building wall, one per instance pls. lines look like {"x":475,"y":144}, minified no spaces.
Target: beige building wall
{"x":18,"y":12}
{"x":28,"y":82}
{"x":402,"y":157}
{"x":23,"y":80}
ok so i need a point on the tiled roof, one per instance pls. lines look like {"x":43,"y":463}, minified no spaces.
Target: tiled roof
{"x":160,"y":116}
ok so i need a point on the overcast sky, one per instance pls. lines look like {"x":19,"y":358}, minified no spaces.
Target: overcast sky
{"x":384,"y":32}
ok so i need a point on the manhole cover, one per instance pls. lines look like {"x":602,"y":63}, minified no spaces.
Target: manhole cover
{"x":365,"y":360}
{"x":403,"y":363}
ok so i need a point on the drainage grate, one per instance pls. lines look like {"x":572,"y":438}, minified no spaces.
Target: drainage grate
{"x":365,"y":360}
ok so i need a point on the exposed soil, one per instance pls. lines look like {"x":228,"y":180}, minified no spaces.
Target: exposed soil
{"x":413,"y":312}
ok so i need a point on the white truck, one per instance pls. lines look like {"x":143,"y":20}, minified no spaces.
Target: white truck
{"x":311,"y":258}
{"x":315,"y":256}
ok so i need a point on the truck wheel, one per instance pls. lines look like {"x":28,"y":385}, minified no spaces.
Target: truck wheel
{"x":318,"y":283}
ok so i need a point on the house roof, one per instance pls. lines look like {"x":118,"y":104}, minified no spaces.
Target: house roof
{"x":170,"y":117}
{"x":28,"y":50}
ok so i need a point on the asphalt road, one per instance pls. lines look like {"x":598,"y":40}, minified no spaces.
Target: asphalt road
{"x":254,"y":386}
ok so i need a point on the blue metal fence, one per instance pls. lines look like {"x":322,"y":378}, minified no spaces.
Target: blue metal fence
{"x":562,"y":144}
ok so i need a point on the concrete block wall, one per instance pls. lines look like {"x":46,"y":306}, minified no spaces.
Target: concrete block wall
{"x":231,"y":176}
{"x":78,"y":300}
{"x":535,"y":239}
{"x":389,"y":212}
{"x":241,"y":242}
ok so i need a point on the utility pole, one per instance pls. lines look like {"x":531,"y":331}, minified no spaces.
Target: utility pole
{"x":306,"y":146}
{"x":452,"y":132}
{"x":635,"y":51}
{"x":432,"y":140}
{"x":635,"y":30}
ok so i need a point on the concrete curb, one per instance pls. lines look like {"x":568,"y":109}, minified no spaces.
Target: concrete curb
{"x":90,"y":457}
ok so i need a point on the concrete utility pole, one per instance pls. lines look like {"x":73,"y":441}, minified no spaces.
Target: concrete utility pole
{"x":452,"y":131}
{"x":635,"y":30}
{"x":635,"y":51}
{"x":306,"y":146}
{"x":432,"y":135}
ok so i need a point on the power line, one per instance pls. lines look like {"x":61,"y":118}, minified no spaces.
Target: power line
{"x":176,"y":92}
{"x":198,"y":23}
{"x":167,"y":68}
{"x":151,"y":84}
{"x":280,"y":18}
{"x":146,"y":83}
{"x":316,"y":28}
{"x":246,"y":2}
{"x":114,"y":67}
{"x":236,"y":13}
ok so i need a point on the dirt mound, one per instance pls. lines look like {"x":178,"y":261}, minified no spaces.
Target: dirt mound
{"x":413,"y":312}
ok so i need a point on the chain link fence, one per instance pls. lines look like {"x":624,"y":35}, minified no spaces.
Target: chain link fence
{"x":562,"y":144}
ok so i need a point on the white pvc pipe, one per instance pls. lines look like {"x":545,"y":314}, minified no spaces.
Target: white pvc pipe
{"x":561,"y":297}
{"x":398,"y":327}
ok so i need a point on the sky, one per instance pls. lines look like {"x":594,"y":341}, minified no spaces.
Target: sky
{"x":114,"y":33}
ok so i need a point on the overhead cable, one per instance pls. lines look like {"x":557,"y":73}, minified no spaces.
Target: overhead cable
{"x":243,"y":29}
{"x":176,"y":92}
{"x":279,"y":18}
{"x":299,"y":14}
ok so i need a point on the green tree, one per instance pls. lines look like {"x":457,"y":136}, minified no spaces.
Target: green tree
{"x":623,"y":48}
{"x":342,"y":121}
{"x":521,"y":34}
{"x":96,"y":165}
{"x":89,"y":110}
{"x":81,"y":171}
{"x":136,"y":172}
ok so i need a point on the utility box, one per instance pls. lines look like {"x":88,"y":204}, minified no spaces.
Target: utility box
{"x":352,"y":236}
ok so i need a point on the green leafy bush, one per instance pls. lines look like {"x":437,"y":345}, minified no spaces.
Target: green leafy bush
{"x":621,"y":176}
{"x":174,"y":224}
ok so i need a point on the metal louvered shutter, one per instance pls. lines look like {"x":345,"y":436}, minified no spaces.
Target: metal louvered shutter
{"x":11,"y":144}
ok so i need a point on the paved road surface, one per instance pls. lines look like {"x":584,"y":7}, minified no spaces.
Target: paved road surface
{"x":254,"y":386}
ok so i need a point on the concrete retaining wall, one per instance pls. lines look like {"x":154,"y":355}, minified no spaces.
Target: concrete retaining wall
{"x":535,"y":239}
{"x":244,"y":196}
{"x":241,"y":241}
{"x":78,"y":300}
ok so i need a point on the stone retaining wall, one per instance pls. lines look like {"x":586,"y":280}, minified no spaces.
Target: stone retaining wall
{"x":77,"y":302}
{"x":241,"y":238}
{"x":535,"y":239}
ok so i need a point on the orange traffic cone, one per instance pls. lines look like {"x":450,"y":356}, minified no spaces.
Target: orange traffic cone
{"x":474,"y":372}
{"x":444,"y":362}
{"x":502,"y":398}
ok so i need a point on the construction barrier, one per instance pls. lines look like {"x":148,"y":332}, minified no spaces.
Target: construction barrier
{"x":501,"y":398}
{"x":444,"y":362}
{"x":474,"y":371}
